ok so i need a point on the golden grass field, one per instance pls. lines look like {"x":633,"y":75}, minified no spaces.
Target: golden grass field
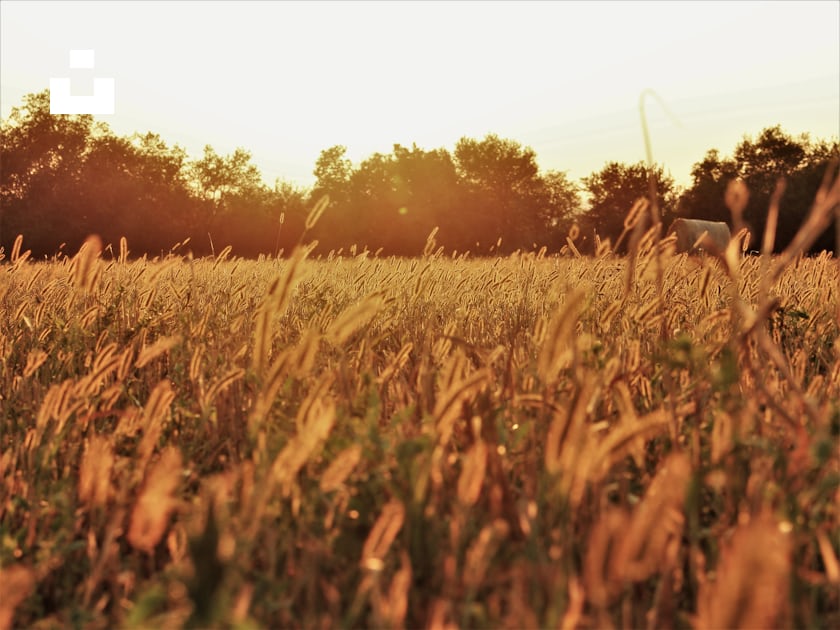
{"x":524,"y":442}
{"x":521,"y":442}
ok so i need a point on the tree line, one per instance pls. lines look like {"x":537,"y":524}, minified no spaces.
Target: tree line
{"x":65,"y":177}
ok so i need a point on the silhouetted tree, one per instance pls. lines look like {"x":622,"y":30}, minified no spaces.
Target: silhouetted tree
{"x":614,"y":189}
{"x":500,"y":180}
{"x":428,"y":187}
{"x":222,"y":182}
{"x":134,"y":187}
{"x":290,"y":204}
{"x":555,"y":203}
{"x":704,"y":199}
{"x":802,"y":188}
{"x":332,"y":173}
{"x":760,"y":163}
{"x":393,"y":201}
{"x":399,"y":198}
{"x":42,"y":157}
{"x":338,"y":227}
{"x":64,"y":177}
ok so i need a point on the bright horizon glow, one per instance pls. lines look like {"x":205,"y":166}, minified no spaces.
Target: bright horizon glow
{"x":286,"y":80}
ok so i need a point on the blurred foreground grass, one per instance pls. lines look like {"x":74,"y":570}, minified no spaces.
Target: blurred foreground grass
{"x":522,"y":442}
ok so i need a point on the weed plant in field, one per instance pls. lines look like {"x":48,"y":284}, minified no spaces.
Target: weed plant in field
{"x":354,"y":441}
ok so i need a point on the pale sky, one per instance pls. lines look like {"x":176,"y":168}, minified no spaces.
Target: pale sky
{"x":286,"y":80}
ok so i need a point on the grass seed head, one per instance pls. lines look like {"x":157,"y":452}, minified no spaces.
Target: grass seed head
{"x":156,"y":502}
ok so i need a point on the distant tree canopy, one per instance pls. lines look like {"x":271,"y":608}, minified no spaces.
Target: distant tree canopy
{"x":64,"y":177}
{"x":760,"y":163}
{"x":490,"y":189}
{"x":614,"y":189}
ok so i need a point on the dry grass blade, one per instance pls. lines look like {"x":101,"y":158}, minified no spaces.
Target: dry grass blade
{"x":382,"y":535}
{"x":622,"y":438}
{"x":602,"y":248}
{"x":392,"y":608}
{"x":750,"y":589}
{"x":431,"y":243}
{"x":316,"y":212}
{"x":84,"y":270}
{"x":772,"y":221}
{"x":60,"y":402}
{"x":125,"y":361}
{"x":340,"y":468}
{"x":447,"y":407}
{"x":722,"y":436}
{"x":472,"y":475}
{"x":558,"y":348}
{"x":106,"y":362}
{"x":195,"y":364}
{"x":305,"y":353}
{"x":274,"y":305}
{"x":572,"y":616}
{"x":644,"y":310}
{"x":637,"y":212}
{"x":609,"y":314}
{"x":18,"y":583}
{"x":221,"y":385}
{"x":397,"y":364}
{"x":161,"y":346}
{"x":156,"y":409}
{"x":16,"y":249}
{"x":600,"y":584}
{"x":34,"y":360}
{"x":274,"y":378}
{"x":832,"y":566}
{"x":317,"y":396}
{"x":319,"y":420}
{"x":161,"y":268}
{"x":628,"y":419}
{"x":223,"y":255}
{"x":123,"y":259}
{"x":569,"y":444}
{"x":18,"y":258}
{"x":481,"y":552}
{"x":656,"y":521}
{"x":354,"y":318}
{"x":95,"y":472}
{"x":566,"y":433}
{"x":736,"y":197}
{"x":150,"y":516}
